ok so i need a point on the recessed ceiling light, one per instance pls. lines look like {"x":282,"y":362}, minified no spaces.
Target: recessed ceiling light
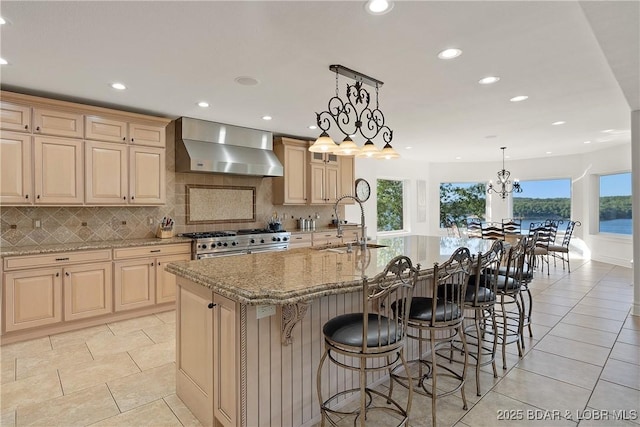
{"x":266,"y":117}
{"x":607,"y":131}
{"x":203,"y":104}
{"x":458,"y":158}
{"x":587,"y":142}
{"x":519,"y":98}
{"x":560,"y":122}
{"x":378,"y":7}
{"x":246,"y":81}
{"x":491,"y":136}
{"x":313,"y":127}
{"x":408,"y":148}
{"x":488,"y":80}
{"x":2,"y":21}
{"x":548,"y":152}
{"x":3,"y":61}
{"x":450,"y":53}
{"x":118,"y":86}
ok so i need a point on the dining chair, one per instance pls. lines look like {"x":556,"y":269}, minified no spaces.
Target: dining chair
{"x":512,"y":227}
{"x":438,"y":321}
{"x":371,"y":340}
{"x":544,"y":232}
{"x":562,"y":251}
{"x":492,"y":230}
{"x":474,"y":227}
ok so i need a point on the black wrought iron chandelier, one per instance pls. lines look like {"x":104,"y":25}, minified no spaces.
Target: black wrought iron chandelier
{"x":354,"y":116}
{"x":505,"y":186}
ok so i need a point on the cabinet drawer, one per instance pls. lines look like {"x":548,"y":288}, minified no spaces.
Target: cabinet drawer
{"x":15,"y":117}
{"x":140,"y":134}
{"x":301,"y":240}
{"x":150,"y":251}
{"x":103,"y":129}
{"x":60,"y":258}
{"x":60,"y":123}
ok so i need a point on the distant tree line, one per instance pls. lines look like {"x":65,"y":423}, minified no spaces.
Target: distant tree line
{"x":615,"y":207}
{"x":527,"y":207}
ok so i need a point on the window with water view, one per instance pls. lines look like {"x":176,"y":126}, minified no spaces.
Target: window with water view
{"x":615,"y":204}
{"x":543,"y":199}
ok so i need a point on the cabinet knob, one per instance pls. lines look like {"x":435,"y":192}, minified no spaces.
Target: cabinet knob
{"x":26,"y":196}
{"x":124,"y":138}
{"x":124,"y":197}
{"x":133,"y":197}
{"x":38,"y":128}
{"x":152,"y":264}
{"x":131,"y":139}
{"x":57,"y":274}
{"x":26,"y":127}
{"x":66,"y":273}
{"x":211,"y":305}
{"x":38,"y":197}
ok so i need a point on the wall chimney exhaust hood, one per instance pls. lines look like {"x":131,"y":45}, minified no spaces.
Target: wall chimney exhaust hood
{"x":209,"y":147}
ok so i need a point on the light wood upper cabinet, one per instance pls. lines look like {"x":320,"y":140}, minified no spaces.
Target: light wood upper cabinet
{"x":16,"y":186}
{"x":104,"y":129}
{"x":146,"y":175}
{"x":58,"y":123}
{"x":291,"y":189}
{"x":32,"y":298}
{"x":58,"y":171}
{"x":15,"y":117}
{"x":324,"y":183}
{"x":87,"y":290}
{"x":141,"y":134}
{"x":106,"y":166}
{"x":347,"y":178}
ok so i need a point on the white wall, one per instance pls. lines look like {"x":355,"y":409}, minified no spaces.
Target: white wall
{"x":582,"y":170}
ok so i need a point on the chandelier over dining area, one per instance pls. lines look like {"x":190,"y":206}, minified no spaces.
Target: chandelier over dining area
{"x":504,"y":186}
{"x":354,"y":116}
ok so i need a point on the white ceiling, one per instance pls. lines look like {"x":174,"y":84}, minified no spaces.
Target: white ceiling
{"x":172,"y":54}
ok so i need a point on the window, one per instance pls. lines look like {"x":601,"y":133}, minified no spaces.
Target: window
{"x":615,"y":204}
{"x":543,"y":199}
{"x":461,"y":200}
{"x":390,"y":204}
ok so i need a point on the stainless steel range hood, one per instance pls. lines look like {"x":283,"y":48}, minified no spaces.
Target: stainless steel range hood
{"x":210,"y":147}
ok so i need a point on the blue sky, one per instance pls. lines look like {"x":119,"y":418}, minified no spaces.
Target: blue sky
{"x":615,"y":185}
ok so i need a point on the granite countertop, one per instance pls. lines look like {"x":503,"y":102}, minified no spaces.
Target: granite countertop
{"x":324,"y":228}
{"x":298,"y":275}
{"x":85,"y":246}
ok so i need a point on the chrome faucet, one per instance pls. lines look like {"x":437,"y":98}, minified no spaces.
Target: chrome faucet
{"x":363,"y":240}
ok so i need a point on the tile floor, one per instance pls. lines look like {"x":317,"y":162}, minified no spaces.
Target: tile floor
{"x":584,"y":358}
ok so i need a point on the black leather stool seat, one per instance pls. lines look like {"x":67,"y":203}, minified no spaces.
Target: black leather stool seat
{"x":347,"y":329}
{"x":422,"y":309}
{"x":506,"y":284}
{"x":527,"y":274}
{"x":484,"y":293}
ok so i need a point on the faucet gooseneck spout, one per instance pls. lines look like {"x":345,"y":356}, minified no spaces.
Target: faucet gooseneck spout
{"x":363,"y":240}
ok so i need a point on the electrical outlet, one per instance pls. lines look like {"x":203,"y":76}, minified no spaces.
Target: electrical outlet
{"x":265,"y":311}
{"x":37,"y":223}
{"x":150,"y":219}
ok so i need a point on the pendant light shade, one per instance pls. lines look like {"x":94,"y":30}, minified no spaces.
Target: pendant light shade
{"x":388,"y":152}
{"x":368,"y":150}
{"x":324,"y":144}
{"x":347,"y":148}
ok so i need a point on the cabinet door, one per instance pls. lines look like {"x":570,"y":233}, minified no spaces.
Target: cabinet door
{"x":87,"y":291}
{"x":140,"y":134}
{"x":106,"y":166}
{"x":332,"y":184}
{"x":58,"y":123}
{"x":166,"y":282}
{"x":225,"y":355}
{"x":317,"y":174}
{"x":134,"y":283}
{"x":347,"y":178}
{"x":103,"y":129}
{"x":32,"y":298}
{"x":146,"y":176}
{"x":331,"y":159}
{"x":194,"y":350}
{"x":58,"y":171}
{"x":295,"y":180}
{"x":16,"y":186}
{"x":15,"y":117}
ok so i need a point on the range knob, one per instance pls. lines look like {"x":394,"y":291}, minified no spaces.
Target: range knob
{"x":273,"y":239}
{"x":233,"y":243}
{"x":253,"y":240}
{"x":225,"y":244}
{"x":220,"y":244}
{"x":261,"y":240}
{"x":203,"y":246}
{"x":284,"y":239}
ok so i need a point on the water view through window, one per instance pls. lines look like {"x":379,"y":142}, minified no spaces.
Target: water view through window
{"x":543,"y":199}
{"x":615,"y":204}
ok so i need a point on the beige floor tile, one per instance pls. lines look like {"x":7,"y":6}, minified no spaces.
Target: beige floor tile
{"x":629,"y":336}
{"x":558,"y":291}
{"x":607,"y":294}
{"x":76,"y":409}
{"x":606,"y":303}
{"x":622,"y":373}
{"x":555,"y":299}
{"x":558,"y":310}
{"x":28,"y":348}
{"x":181,"y":411}
{"x":101,"y":346}
{"x":30,"y":390}
{"x":124,"y":327}
{"x":161,"y":333}
{"x":52,"y":360}
{"x":632,"y":322}
{"x":580,"y":333}
{"x":544,"y":319}
{"x":167,"y":316}
{"x":561,"y":368}
{"x":89,"y":374}
{"x":593,"y":322}
{"x":154,"y":355}
{"x":156,"y":413}
{"x":605,"y":313}
{"x":572,"y":349}
{"x":141,"y":388}
{"x":80,"y":336}
{"x":7,"y":370}
{"x":543,"y":392}
{"x":626,"y":353}
{"x":608,"y":395}
{"x":496,"y":409}
{"x":8,"y":418}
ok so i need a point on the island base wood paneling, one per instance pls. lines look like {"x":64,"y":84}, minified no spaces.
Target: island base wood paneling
{"x":276,"y":382}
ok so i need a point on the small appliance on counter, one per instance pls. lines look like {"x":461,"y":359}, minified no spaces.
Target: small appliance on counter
{"x":165,"y":228}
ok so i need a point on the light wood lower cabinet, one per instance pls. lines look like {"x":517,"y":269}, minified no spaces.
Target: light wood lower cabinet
{"x":32,"y":298}
{"x":134,"y":283}
{"x":87,"y":290}
{"x":166,"y":282}
{"x":207,"y":350}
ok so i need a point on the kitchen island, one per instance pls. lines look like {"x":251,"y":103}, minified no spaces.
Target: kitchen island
{"x":249,"y":327}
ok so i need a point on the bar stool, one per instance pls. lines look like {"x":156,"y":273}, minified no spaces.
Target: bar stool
{"x":440,"y":316}
{"x":481,"y":297}
{"x":377,"y":335}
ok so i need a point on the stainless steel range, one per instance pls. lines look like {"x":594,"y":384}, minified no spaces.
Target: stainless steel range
{"x":225,"y":243}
